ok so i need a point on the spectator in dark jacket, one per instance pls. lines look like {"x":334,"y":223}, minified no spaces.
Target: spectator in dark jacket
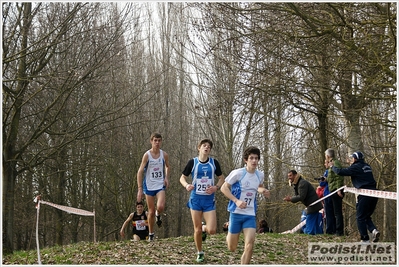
{"x":328,"y":205}
{"x":305,"y":193}
{"x":362,"y":178}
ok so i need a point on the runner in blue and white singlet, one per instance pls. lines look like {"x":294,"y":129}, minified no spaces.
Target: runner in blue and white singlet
{"x":203,"y":170}
{"x":203,"y":175}
{"x":244,"y":186}
{"x":153,"y":180}
{"x":154,"y":173}
{"x":241,"y":187}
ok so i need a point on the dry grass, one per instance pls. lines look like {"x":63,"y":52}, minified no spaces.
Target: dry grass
{"x":270,"y":248}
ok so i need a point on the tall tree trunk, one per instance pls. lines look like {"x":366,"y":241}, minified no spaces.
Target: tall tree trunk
{"x":10,"y":152}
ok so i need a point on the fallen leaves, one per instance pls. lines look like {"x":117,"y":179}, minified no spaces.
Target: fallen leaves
{"x":270,"y":248}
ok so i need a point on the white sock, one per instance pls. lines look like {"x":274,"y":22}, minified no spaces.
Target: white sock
{"x":156,"y":213}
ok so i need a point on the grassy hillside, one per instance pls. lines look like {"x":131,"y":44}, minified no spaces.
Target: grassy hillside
{"x":270,"y":248}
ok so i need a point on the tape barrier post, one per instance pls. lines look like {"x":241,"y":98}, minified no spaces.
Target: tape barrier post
{"x":63,"y":208}
{"x":94,"y":225}
{"x":37,"y":230}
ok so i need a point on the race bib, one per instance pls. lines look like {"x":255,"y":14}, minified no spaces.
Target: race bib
{"x":156,"y":173}
{"x":140,"y":225}
{"x":202,"y":184}
{"x":248,"y":198}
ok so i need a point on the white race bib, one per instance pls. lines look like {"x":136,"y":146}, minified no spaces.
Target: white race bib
{"x":140,"y":225}
{"x":202,"y":184}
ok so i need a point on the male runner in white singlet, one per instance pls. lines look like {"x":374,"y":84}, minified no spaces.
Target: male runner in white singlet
{"x":153,"y":179}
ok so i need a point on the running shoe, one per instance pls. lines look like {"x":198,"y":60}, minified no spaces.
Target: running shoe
{"x":200,"y":257}
{"x":158,"y":220}
{"x":203,"y":236}
{"x":151,"y":237}
{"x":203,"y":232}
{"x":375,"y":235}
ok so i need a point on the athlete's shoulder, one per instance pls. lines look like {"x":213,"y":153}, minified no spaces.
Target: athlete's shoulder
{"x":260,"y":173}
{"x":241,"y":170}
{"x":213,"y":160}
{"x":146,"y":155}
{"x":238,"y":172}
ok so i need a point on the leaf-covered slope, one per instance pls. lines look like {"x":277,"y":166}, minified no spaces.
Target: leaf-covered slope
{"x":270,"y":248}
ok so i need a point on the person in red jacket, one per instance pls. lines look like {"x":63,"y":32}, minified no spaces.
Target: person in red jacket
{"x":320,"y":193}
{"x":321,"y":187}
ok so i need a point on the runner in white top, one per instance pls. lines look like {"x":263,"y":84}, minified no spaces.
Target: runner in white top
{"x":154,"y":172}
{"x":241,"y":187}
{"x":153,"y":175}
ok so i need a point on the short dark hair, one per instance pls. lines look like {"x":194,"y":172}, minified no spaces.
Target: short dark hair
{"x":139,"y":203}
{"x":155,"y":135}
{"x":251,"y":150}
{"x":205,"y":140}
{"x":293,"y":172}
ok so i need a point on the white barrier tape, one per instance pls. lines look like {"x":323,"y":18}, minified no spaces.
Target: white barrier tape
{"x":372,"y":193}
{"x":299,"y":226}
{"x":296,"y":228}
{"x":69,"y":209}
{"x":332,"y":193}
{"x":64,"y":208}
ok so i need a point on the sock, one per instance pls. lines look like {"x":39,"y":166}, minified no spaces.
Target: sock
{"x":151,"y":234}
{"x":156,"y":213}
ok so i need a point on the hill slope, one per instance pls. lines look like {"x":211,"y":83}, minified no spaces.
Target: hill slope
{"x":270,"y":248}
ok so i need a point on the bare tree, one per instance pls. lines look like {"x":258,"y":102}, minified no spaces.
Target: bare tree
{"x":84,"y":85}
{"x":46,"y":83}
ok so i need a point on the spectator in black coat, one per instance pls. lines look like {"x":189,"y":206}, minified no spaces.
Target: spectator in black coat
{"x":362,"y":178}
{"x":305,"y":193}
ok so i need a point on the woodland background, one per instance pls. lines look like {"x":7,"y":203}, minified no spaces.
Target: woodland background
{"x":85,"y":84}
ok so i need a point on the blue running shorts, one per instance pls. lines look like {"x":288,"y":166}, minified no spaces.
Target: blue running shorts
{"x":238,"y":222}
{"x":202,"y":204}
{"x":154,"y":192}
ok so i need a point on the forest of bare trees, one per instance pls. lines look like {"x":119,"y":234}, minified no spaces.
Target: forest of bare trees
{"x":85,"y":84}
